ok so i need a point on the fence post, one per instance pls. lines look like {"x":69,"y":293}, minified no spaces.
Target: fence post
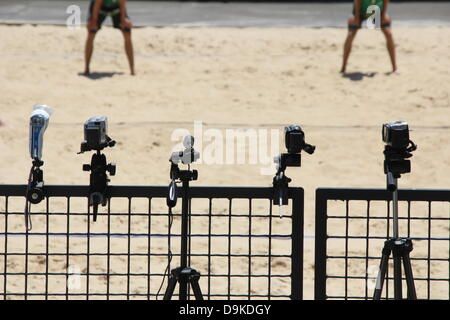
{"x":297,"y":244}
{"x":320,"y":269}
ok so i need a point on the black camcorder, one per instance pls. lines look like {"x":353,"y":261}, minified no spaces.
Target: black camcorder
{"x":294,"y":139}
{"x":396,"y":134}
{"x":397,"y":150}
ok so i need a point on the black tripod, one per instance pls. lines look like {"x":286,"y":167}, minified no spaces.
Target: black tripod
{"x":183,"y":274}
{"x":395,"y":165}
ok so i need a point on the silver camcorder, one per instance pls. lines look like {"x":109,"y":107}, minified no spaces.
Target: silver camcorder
{"x":96,"y":135}
{"x":189,"y":155}
{"x":38,"y":124}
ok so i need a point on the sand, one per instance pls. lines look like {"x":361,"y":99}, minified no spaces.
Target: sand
{"x":229,"y":78}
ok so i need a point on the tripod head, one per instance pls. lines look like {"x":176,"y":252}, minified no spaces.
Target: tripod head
{"x":96,"y":138}
{"x":187,"y":156}
{"x":295,"y":143}
{"x":35,"y":187}
{"x":98,"y":180}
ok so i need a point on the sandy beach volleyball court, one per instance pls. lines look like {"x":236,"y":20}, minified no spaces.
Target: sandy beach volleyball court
{"x":229,"y":78}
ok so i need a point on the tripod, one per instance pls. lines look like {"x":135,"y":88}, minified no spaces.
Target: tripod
{"x":184,"y":275}
{"x":399,"y":247}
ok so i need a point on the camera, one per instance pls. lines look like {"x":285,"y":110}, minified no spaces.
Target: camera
{"x":397,"y":150}
{"x":96,"y":135}
{"x":188,"y":155}
{"x":39,"y":120}
{"x":294,"y":139}
{"x":396,"y":134}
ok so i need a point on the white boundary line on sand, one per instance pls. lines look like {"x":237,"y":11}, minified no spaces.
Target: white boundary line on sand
{"x":161,"y":56}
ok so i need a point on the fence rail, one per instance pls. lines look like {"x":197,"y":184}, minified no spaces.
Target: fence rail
{"x":351,"y":227}
{"x":241,"y":249}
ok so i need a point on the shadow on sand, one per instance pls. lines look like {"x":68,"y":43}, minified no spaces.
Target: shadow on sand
{"x":358,"y":76}
{"x":99,"y":75}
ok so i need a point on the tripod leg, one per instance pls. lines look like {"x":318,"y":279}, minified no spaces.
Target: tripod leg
{"x":170,"y":288}
{"x":409,"y":277}
{"x":382,"y":272}
{"x":398,"y":293}
{"x":184,"y":283}
{"x":196,"y":287}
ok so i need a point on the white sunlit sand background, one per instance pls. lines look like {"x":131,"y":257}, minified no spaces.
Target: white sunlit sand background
{"x":247,"y":78}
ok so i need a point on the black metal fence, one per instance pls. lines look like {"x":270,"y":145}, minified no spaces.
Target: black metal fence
{"x":241,"y":248}
{"x":350,"y":235}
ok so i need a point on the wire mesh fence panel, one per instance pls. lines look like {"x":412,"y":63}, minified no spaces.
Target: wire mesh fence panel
{"x":351,"y":228}
{"x":242,"y":249}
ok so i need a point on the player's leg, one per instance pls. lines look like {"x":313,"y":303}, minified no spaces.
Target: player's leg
{"x":386,"y":28}
{"x":129,"y":49}
{"x":352,"y":30}
{"x":92,"y":28}
{"x":89,"y":49}
{"x":126,"y":31}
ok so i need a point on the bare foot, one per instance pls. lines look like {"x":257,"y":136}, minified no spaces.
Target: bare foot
{"x":394,"y":71}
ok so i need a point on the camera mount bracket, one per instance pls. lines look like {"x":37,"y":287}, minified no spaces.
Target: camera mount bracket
{"x":280,"y":189}
{"x":280,"y":181}
{"x":98,"y":186}
{"x":396,"y":163}
{"x":183,"y":176}
{"x":35,"y":192}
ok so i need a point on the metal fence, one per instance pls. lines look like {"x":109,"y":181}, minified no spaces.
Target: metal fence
{"x":241,"y":248}
{"x":350,"y":235}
